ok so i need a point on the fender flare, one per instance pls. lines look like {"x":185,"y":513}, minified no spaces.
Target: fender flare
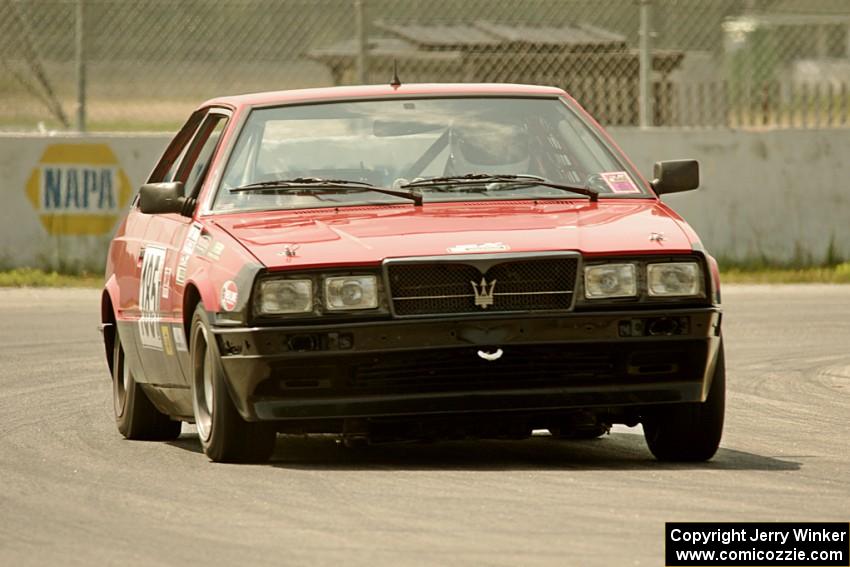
{"x":109,"y":302}
{"x":111,"y":289}
{"x":200,"y":280}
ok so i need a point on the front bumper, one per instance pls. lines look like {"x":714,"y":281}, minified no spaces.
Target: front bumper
{"x":428,"y":367}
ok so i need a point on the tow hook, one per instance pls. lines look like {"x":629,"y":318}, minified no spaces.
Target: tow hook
{"x":491,"y":356}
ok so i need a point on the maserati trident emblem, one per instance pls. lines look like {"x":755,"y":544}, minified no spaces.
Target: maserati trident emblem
{"x":483,"y":293}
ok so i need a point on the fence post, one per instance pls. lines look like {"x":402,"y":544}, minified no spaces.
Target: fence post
{"x":645,"y":60}
{"x":80,"y":58}
{"x":362,"y":42}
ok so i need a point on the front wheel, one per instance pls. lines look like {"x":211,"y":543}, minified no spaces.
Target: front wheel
{"x":135,"y":415}
{"x":689,"y":431}
{"x":224,"y":435}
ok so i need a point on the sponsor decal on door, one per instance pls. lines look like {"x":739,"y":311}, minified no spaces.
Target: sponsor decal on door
{"x":186,"y":252}
{"x":179,"y":338}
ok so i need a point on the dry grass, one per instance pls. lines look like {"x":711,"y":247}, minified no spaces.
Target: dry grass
{"x":30,"y":277}
{"x":839,"y":274}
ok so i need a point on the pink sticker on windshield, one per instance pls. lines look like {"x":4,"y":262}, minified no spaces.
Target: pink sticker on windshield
{"x":620,"y":182}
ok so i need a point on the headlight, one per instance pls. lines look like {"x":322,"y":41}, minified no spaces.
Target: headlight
{"x":351,"y":292}
{"x":610,"y":280}
{"x":674,"y":279}
{"x":276,"y":297}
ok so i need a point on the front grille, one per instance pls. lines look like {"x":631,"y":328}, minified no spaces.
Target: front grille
{"x":461,"y":369}
{"x":436,"y":288}
{"x":527,"y":366}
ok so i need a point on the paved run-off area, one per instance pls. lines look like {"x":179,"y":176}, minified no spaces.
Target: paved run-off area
{"x":72,"y":491}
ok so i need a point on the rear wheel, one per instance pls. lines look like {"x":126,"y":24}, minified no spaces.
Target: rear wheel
{"x":692,"y":431}
{"x":224,"y":435}
{"x":135,"y":415}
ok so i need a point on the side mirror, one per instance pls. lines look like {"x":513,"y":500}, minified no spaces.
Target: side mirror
{"x":161,"y":198}
{"x":675,"y":176}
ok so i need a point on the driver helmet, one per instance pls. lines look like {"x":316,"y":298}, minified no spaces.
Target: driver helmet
{"x":491,"y":146}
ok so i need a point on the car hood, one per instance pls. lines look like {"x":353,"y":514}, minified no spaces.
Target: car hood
{"x":368,"y":235}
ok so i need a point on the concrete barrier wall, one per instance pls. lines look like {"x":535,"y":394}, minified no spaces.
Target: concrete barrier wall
{"x":781,"y":195}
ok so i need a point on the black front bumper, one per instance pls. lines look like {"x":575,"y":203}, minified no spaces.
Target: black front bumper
{"x":428,"y":367}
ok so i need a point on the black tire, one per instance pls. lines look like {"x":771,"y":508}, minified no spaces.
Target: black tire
{"x":225,"y":436}
{"x":135,"y":415}
{"x":692,"y":431}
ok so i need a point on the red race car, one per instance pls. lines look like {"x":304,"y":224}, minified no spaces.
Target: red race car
{"x":410,"y":262}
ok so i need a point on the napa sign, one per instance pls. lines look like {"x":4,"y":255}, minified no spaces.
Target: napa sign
{"x":78,"y":189}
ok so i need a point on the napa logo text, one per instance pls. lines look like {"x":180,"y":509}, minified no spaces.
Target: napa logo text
{"x":78,"y":189}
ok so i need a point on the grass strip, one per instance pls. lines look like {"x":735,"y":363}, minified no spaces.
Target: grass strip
{"x":839,"y":274}
{"x":31,"y":277}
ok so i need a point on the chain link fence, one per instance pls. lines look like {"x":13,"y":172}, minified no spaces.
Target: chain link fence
{"x":143,"y":65}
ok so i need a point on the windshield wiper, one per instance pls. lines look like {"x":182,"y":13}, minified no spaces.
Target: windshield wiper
{"x":322,"y":183}
{"x":512,"y":179}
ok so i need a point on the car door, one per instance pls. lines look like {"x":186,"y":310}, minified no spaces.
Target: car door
{"x":169,"y":241}
{"x":129,"y":248}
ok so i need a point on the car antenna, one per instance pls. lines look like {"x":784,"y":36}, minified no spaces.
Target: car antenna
{"x":395,"y":82}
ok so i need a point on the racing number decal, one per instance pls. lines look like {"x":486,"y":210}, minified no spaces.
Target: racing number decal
{"x":150,"y":290}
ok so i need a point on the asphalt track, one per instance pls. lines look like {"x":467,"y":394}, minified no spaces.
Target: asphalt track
{"x":73,"y":492}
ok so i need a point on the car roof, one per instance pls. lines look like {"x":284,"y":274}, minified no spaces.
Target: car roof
{"x":380,"y":91}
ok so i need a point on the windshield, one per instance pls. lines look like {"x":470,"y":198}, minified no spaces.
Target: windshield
{"x":394,"y":143}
